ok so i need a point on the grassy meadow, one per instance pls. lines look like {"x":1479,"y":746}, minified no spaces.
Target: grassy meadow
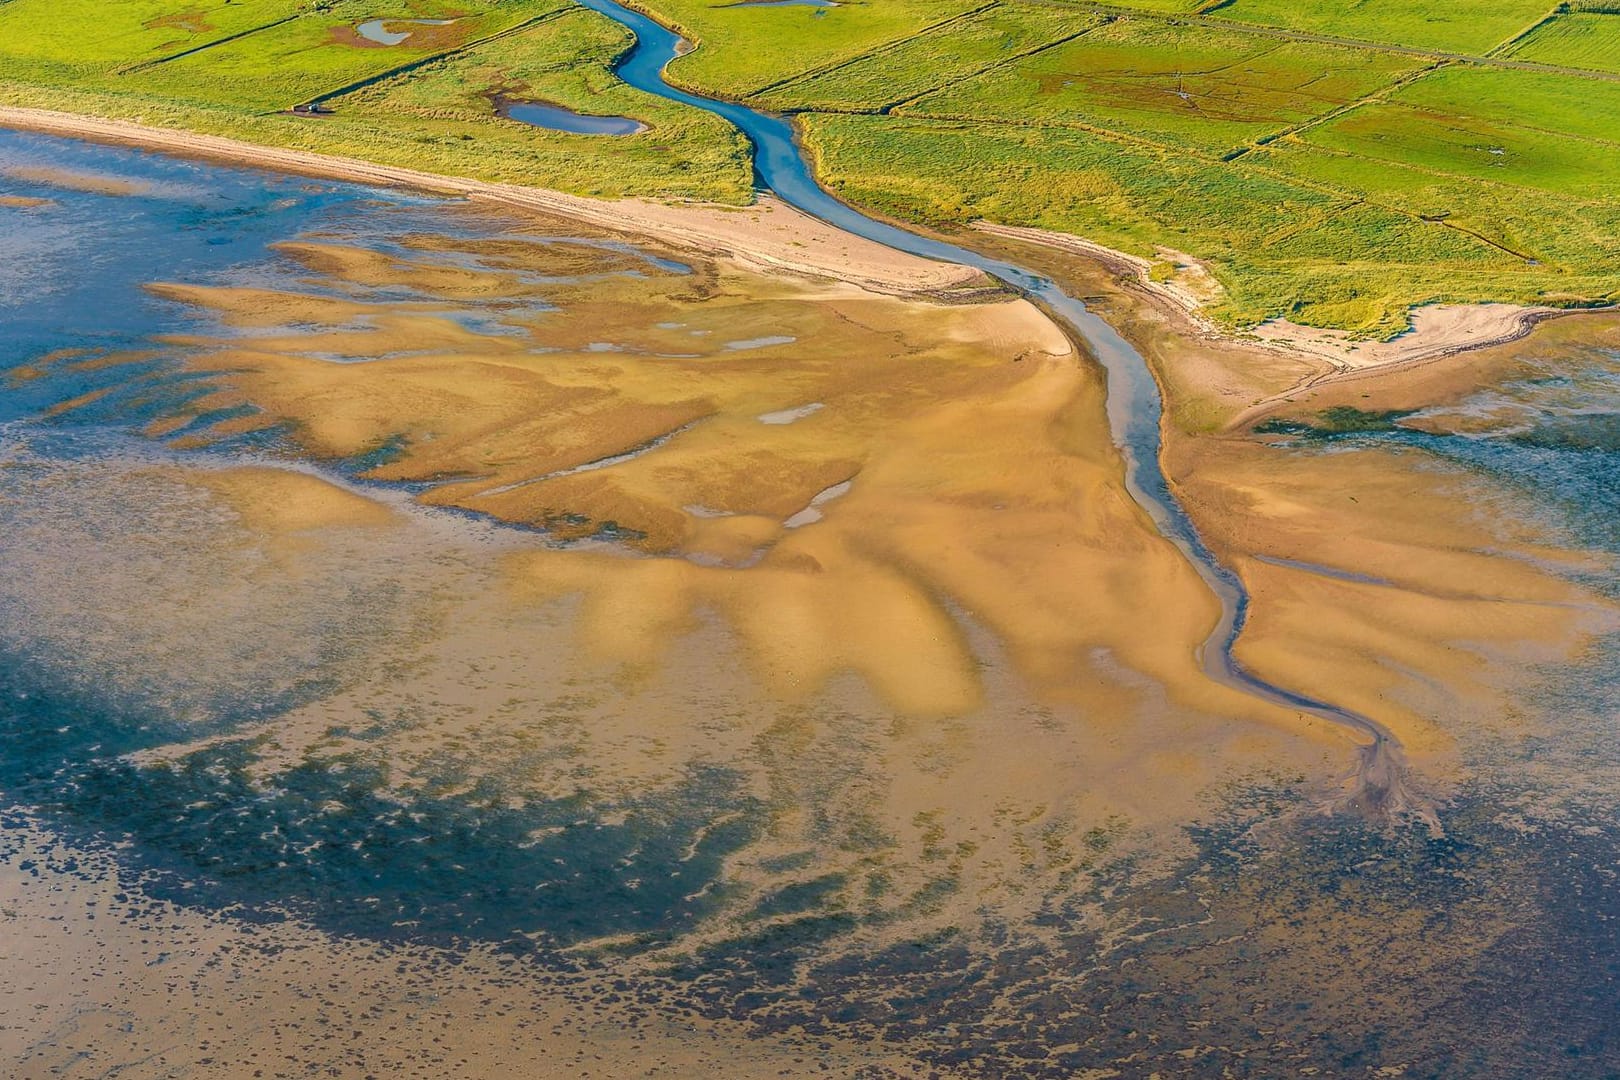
{"x":1337,"y":183}
{"x":566,"y":61}
{"x":924,"y":63}
{"x":744,"y":49}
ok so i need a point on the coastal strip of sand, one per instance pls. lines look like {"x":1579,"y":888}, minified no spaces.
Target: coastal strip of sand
{"x":767,"y":236}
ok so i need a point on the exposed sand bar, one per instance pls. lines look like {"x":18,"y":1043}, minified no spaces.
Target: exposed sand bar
{"x":768,"y":236}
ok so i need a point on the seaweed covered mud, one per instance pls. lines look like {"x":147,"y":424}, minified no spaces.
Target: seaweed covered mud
{"x":439,"y":635}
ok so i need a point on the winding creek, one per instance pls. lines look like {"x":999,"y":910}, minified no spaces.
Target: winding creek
{"x":1134,"y":406}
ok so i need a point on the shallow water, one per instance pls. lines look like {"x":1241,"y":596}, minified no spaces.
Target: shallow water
{"x":272,"y":719}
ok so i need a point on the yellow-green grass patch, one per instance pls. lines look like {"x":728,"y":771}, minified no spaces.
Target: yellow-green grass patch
{"x":1546,"y":101}
{"x":1278,"y":246}
{"x":90,"y":35}
{"x":1522,"y":128}
{"x":1570,"y":237}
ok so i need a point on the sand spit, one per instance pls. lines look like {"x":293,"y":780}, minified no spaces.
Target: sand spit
{"x":1435,"y":331}
{"x":768,"y":236}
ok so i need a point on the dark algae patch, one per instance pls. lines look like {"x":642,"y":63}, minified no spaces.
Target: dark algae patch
{"x":331,"y":842}
{"x":1330,"y":947}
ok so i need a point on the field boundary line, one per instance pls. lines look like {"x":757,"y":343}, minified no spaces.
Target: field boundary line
{"x":144,"y":65}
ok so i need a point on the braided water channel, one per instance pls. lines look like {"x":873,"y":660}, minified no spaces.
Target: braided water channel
{"x":1381,"y":789}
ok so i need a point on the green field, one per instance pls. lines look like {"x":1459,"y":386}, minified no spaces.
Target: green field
{"x":1337,"y":182}
{"x":1461,"y":26}
{"x":1282,"y":246}
{"x":1202,"y":87}
{"x":1579,"y":39}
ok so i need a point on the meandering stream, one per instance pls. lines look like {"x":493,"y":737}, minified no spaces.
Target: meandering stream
{"x":1134,"y":406}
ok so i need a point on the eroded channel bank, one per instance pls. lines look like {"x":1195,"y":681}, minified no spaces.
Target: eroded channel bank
{"x":1134,"y":406}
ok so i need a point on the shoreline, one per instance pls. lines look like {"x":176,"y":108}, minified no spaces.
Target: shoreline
{"x":769,"y":235}
{"x":773,"y":237}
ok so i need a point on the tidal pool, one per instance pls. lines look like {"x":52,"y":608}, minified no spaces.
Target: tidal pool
{"x":502,"y":700}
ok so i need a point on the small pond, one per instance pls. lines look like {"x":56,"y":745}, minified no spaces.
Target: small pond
{"x":555,"y":117}
{"x":377,"y":29}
